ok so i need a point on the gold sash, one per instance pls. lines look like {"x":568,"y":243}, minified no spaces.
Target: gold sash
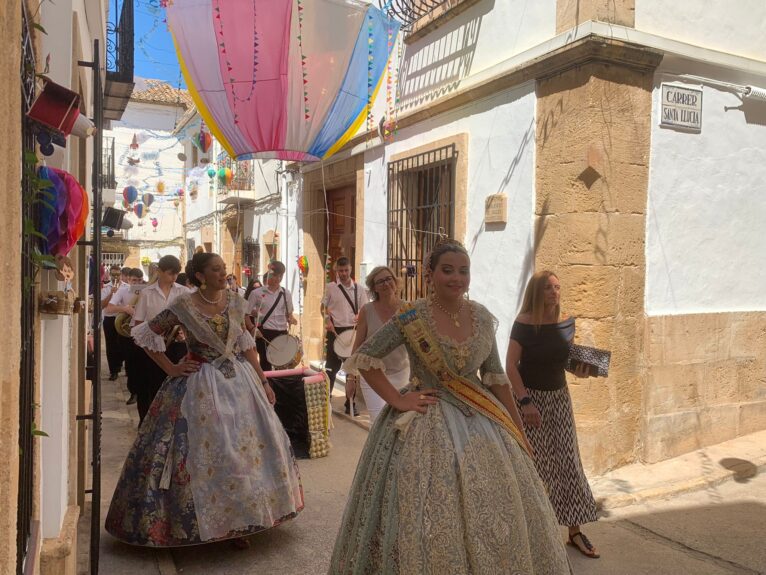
{"x":423,"y":342}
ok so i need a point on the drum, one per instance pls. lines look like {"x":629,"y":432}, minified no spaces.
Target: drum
{"x":284,"y":352}
{"x":344,"y":343}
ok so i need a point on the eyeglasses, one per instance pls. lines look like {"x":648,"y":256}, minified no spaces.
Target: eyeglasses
{"x":385,"y":280}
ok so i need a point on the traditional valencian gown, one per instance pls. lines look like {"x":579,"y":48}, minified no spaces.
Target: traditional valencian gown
{"x":450,"y":492}
{"x":211,"y":460}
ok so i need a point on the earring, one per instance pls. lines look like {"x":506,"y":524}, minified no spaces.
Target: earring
{"x":203,"y":287}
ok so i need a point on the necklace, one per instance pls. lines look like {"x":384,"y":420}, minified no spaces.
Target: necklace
{"x":453,"y":316}
{"x":211,"y":302}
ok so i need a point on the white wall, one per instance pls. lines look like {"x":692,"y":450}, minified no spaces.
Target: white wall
{"x":158,"y":151}
{"x":737,"y":27}
{"x":482,"y":36}
{"x":705,"y":241}
{"x":500,"y":159}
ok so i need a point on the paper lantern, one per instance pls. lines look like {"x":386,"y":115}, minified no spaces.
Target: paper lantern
{"x":329,"y":57}
{"x":62,"y":218}
{"x":211,"y":172}
{"x":130,"y":194}
{"x":225,"y":176}
{"x":140,"y":211}
{"x":303,"y":264}
{"x":160,"y":187}
{"x":155,"y":223}
{"x":202,"y":140}
{"x":180,"y":192}
{"x":147,"y":199}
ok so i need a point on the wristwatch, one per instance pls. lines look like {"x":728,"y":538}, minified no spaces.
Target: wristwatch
{"x":526,"y":400}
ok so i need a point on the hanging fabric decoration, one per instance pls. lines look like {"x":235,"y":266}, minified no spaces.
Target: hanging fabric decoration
{"x":297,"y":84}
{"x":147,"y":199}
{"x":63,"y":215}
{"x":130,"y":194}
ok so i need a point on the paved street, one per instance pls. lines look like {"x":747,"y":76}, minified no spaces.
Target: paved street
{"x":715,"y":531}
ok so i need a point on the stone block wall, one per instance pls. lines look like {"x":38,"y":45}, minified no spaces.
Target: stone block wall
{"x":593,"y":130}
{"x":705,"y":381}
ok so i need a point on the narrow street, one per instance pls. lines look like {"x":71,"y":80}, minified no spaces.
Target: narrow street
{"x":714,"y":531}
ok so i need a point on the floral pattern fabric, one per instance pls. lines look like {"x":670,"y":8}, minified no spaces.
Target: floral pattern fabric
{"x":452,"y":493}
{"x":211,"y":461}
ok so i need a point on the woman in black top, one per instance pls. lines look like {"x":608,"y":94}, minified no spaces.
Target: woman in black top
{"x":537,"y":355}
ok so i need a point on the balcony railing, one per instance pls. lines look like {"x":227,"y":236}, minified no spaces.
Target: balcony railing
{"x":119,"y":42}
{"x":119,"y":58}
{"x":108,"y":179}
{"x":242,"y":174}
{"x":409,"y":11}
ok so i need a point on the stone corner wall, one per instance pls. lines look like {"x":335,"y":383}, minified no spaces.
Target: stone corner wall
{"x":705,"y":381}
{"x":593,"y":133}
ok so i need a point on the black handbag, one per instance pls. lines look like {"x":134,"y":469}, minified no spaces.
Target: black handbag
{"x":596,"y":359}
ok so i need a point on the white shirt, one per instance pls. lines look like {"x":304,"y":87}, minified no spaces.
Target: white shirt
{"x":106,"y":291}
{"x":125,"y":295}
{"x":260,"y":302}
{"x":153,"y":301}
{"x":342,"y":313}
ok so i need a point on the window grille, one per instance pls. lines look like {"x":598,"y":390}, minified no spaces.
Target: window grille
{"x":24,"y":522}
{"x":112,"y":259}
{"x":421,"y":207}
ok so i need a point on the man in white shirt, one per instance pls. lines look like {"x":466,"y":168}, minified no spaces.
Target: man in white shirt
{"x":271,"y":309}
{"x":340,"y":307}
{"x":155,"y":298}
{"x":122,"y":302}
{"x":114,"y":356}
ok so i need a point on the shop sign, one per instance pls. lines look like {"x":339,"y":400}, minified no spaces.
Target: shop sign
{"x":681,"y":108}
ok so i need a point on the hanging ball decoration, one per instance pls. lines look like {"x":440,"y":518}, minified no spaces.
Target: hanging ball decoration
{"x":176,"y":203}
{"x":147,"y":199}
{"x":182,"y":156}
{"x":225,"y":176}
{"x":43,"y":138}
{"x":110,"y":233}
{"x":155,"y":223}
{"x":130,"y":194}
{"x":160,"y":187}
{"x":140,"y":211}
{"x":303,"y":264}
{"x":211,"y":172}
{"x":180,"y":192}
{"x":202,"y":140}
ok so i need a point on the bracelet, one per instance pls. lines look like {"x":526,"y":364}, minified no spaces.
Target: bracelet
{"x":526,"y":400}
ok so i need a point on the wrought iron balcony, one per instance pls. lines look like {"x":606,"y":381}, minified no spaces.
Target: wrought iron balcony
{"x":410,"y":11}
{"x":108,"y":178}
{"x":119,"y":58}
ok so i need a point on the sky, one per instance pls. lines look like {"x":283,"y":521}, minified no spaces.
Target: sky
{"x":155,"y":56}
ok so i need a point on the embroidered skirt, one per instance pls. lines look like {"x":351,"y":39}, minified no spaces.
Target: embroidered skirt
{"x":210,"y":462}
{"x":557,"y":458}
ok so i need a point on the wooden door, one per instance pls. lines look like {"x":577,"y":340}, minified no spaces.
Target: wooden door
{"x":341,"y":207}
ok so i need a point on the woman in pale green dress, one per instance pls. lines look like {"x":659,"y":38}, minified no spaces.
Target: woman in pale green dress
{"x":445,"y":485}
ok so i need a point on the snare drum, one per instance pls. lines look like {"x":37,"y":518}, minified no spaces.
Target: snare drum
{"x":344,"y":343}
{"x":284,"y":352}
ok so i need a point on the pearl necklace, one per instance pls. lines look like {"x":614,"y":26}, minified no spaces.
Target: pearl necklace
{"x":453,"y":316}
{"x":211,"y":302}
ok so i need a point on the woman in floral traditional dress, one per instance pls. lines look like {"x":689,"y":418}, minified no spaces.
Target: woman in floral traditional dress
{"x":445,"y":484}
{"x":211,"y":460}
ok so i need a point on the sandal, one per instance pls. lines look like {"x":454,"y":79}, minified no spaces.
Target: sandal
{"x":587,"y":547}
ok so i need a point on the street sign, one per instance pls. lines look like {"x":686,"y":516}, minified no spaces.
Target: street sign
{"x":681,"y":108}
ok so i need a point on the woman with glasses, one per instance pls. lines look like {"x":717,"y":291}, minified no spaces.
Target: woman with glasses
{"x":384,"y":292}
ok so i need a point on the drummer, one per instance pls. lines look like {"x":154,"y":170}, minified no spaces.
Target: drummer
{"x":341,"y":303}
{"x":271,"y":310}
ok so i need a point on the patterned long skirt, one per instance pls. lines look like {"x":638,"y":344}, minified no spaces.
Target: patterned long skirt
{"x":557,"y":458}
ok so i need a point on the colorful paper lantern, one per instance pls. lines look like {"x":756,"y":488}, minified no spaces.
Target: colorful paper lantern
{"x":147,"y":199}
{"x":160,"y":187}
{"x":155,"y":223}
{"x":211,"y":172}
{"x":139,"y":210}
{"x":330,"y":58}
{"x":225,"y":176}
{"x":130,"y":194}
{"x":202,"y":140}
{"x":303,"y":264}
{"x":62,"y":218}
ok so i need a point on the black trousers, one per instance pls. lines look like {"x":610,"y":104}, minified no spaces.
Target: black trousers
{"x":333,"y":362}
{"x":149,"y":376}
{"x":261,"y":346}
{"x":114,"y":355}
{"x":130,"y":352}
